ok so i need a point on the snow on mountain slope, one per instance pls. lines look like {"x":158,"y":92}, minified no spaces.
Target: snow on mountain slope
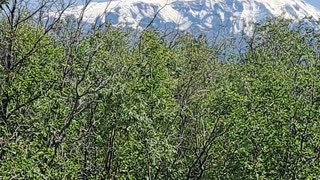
{"x":194,"y":15}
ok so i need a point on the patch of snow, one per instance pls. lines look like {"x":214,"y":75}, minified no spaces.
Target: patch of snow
{"x":201,"y":15}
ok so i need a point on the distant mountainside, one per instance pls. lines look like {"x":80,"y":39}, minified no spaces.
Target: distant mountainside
{"x":230,"y":16}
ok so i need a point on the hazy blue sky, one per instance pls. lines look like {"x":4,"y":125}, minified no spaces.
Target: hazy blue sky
{"x":315,"y":3}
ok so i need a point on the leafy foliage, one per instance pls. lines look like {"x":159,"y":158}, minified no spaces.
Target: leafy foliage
{"x":116,"y":105}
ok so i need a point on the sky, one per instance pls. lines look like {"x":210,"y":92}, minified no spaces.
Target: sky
{"x":315,"y":3}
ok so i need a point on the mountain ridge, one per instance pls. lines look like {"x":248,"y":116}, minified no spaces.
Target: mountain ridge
{"x":193,"y":15}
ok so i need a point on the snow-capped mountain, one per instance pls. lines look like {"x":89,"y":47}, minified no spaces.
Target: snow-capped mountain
{"x":231,"y":16}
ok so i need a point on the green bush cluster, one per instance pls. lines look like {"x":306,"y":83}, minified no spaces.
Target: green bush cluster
{"x":111,"y":105}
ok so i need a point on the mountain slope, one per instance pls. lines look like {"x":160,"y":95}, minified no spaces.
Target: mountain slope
{"x":231,"y":16}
